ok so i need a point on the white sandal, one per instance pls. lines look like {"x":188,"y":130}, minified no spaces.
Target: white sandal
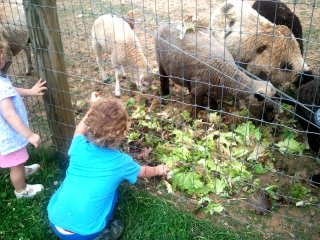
{"x":30,"y":191}
{"x":31,"y":169}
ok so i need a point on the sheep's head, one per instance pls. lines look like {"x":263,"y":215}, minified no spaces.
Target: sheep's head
{"x":260,"y":104}
{"x":144,"y":81}
{"x":277,"y":58}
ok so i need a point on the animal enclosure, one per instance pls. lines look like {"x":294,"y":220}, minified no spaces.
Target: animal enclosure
{"x":229,"y":100}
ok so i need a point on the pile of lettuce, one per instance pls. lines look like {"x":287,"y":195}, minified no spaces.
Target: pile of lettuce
{"x":207,"y":158}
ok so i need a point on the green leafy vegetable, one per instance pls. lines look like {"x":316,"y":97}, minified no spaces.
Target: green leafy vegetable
{"x":291,"y":146}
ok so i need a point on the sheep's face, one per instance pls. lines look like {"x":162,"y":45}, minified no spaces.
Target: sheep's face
{"x":144,"y":82}
{"x":261,"y":107}
{"x":278,"y":59}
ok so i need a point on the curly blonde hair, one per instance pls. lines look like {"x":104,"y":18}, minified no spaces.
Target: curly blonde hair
{"x":107,"y":123}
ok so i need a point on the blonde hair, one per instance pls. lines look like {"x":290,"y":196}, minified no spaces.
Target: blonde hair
{"x":107,"y":123}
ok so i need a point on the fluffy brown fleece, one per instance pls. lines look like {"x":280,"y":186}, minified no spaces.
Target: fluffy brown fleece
{"x":276,"y":48}
{"x":266,"y":50}
{"x":279,"y":13}
{"x":206,"y":68}
{"x":14,"y":30}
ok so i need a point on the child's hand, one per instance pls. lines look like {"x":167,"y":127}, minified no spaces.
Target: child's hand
{"x":95,"y":96}
{"x":38,"y":89}
{"x":162,"y":169}
{"x":34,"y":139}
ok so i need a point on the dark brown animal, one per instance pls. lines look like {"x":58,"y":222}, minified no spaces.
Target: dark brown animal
{"x":309,"y":94}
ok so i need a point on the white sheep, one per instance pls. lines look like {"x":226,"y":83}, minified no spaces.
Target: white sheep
{"x":266,"y":50}
{"x":113,"y":35}
{"x":13,"y":28}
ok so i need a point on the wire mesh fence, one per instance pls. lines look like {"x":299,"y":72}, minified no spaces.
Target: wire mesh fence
{"x":238,"y":122}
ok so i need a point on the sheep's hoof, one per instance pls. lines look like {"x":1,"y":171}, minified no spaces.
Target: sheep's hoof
{"x":29,"y":72}
{"x":117,"y":93}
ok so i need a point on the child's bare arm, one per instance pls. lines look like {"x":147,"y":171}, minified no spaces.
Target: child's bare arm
{"x":82,"y":127}
{"x":159,"y":170}
{"x":16,"y":123}
{"x":37,"y":90}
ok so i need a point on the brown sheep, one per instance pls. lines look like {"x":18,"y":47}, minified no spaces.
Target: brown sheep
{"x":268,"y":51}
{"x":206,"y":68}
{"x":13,"y":28}
{"x":279,"y":13}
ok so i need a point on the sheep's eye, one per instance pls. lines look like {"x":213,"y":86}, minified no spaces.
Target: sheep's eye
{"x":286,"y":67}
{"x":262,"y":75}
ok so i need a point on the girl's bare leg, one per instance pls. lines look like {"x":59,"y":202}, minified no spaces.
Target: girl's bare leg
{"x":17,"y":178}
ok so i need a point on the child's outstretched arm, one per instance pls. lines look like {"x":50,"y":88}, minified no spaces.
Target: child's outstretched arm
{"x":82,"y":127}
{"x":37,"y":90}
{"x":16,"y":123}
{"x":159,"y":170}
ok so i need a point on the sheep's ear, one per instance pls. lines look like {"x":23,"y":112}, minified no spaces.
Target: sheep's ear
{"x":262,"y":75}
{"x":130,"y":18}
{"x":261,"y":49}
{"x":259,"y":97}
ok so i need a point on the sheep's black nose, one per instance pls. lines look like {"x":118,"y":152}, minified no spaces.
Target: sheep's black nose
{"x":259,"y":97}
{"x":304,"y":78}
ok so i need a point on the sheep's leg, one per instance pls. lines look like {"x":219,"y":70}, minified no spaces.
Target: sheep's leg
{"x":164,"y":82}
{"x":117,"y":91}
{"x":213,"y":103}
{"x":101,"y":68}
{"x":122,"y":73}
{"x":98,"y":50}
{"x":197,"y":95}
{"x":27,"y":51}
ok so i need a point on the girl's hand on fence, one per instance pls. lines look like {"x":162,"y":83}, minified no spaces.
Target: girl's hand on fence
{"x":34,"y":139}
{"x":162,"y":169}
{"x":39,"y":88}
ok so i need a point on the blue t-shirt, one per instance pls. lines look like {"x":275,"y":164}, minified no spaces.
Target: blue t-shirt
{"x":10,"y":140}
{"x":85,"y":197}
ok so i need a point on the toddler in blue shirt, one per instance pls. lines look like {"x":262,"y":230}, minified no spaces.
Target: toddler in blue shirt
{"x":83,"y":205}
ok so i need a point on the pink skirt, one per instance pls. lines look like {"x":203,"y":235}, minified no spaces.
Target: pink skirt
{"x":14,"y":159}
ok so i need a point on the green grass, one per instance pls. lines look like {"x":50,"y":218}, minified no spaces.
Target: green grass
{"x":145,"y":216}
{"x":150,"y":217}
